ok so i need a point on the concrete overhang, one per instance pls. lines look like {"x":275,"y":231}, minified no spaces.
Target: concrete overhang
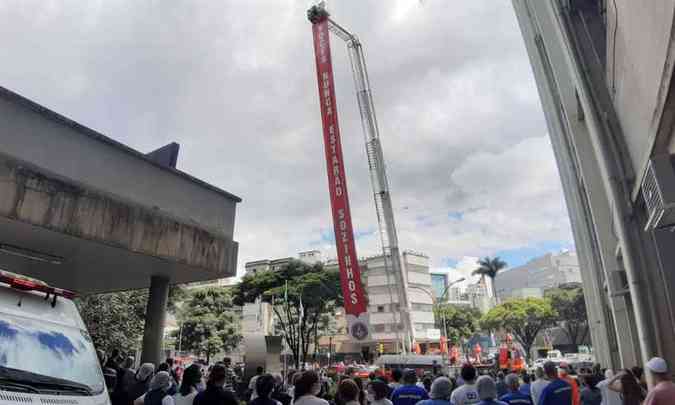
{"x":81,"y":211}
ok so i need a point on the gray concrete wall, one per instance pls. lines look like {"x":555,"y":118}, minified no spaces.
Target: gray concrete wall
{"x":557,"y":93}
{"x":51,"y":203}
{"x":72,"y":151}
{"x":638,"y":84}
{"x":636,"y":69}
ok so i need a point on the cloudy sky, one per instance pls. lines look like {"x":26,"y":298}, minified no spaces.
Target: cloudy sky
{"x":470,"y":164}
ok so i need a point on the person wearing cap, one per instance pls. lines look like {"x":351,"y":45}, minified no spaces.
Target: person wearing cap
{"x":441,"y":389}
{"x":409,"y":393}
{"x":558,"y":391}
{"x":514,"y":396}
{"x":159,"y":391}
{"x":487,"y":391}
{"x":663,"y":391}
{"x":466,"y":394}
{"x":564,"y":374}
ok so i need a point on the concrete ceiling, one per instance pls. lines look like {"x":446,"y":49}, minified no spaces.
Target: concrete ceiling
{"x":85,"y":266}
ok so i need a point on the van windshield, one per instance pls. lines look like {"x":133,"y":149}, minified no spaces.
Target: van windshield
{"x":40,"y":354}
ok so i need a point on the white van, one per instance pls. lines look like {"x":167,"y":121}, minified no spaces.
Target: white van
{"x":46,"y":354}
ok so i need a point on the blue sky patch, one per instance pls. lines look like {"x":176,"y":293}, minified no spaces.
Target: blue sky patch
{"x":456,"y":215}
{"x":519,"y":256}
{"x":327,"y":236}
{"x":448,"y":262}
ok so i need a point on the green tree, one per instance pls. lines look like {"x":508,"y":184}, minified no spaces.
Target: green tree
{"x":208,"y":322}
{"x":301,"y":296}
{"x":568,"y":301}
{"x":490,"y":267}
{"x":524,"y":318}
{"x":460,"y":321}
{"x":116,"y":320}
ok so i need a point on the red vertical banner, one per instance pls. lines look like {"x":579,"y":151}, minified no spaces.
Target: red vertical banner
{"x":350,"y":274}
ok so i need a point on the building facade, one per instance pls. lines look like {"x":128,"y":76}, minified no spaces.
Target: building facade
{"x":604,"y":74}
{"x":537,"y":275}
{"x":476,"y":295}
{"x":384,"y":309}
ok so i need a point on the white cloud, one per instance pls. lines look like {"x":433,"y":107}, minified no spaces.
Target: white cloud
{"x":463,"y":268}
{"x":234,"y":84}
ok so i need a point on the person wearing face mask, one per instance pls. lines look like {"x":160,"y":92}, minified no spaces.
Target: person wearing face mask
{"x":307,"y":387}
{"x":378,"y":392}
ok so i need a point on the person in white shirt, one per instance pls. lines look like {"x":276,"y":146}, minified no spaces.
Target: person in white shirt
{"x":251,"y":384}
{"x":192,"y":378}
{"x":538,"y":385}
{"x":609,"y":397}
{"x":467,"y":394}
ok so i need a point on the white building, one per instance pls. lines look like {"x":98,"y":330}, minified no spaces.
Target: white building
{"x":384,"y":306}
{"x":477,"y":295}
{"x":257,"y":318}
{"x":380,"y":287}
{"x":541,"y":273}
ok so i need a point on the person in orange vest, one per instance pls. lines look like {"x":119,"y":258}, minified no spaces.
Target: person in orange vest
{"x":564,"y":369}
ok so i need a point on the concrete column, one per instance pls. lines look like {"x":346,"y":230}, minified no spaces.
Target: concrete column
{"x":155,"y":314}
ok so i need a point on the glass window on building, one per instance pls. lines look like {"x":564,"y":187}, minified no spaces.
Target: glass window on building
{"x":421,"y":307}
{"x":378,"y":328}
{"x":438,"y":282}
{"x":380,"y":308}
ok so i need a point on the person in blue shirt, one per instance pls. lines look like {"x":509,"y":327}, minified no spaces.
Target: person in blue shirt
{"x":502,"y":389}
{"x":409,"y":393}
{"x":487,"y":391}
{"x":558,"y":391}
{"x":514,"y":396}
{"x":525,"y":386}
{"x":440,"y":392}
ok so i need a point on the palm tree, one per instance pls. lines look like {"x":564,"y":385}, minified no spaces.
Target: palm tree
{"x":490,"y":267}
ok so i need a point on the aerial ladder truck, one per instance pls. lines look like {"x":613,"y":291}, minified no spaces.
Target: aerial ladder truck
{"x":321,"y":24}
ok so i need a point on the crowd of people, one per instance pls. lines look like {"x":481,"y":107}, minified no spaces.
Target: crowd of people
{"x":551,"y":384}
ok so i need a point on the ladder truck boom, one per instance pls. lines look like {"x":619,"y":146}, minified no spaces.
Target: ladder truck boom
{"x":378,"y":174}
